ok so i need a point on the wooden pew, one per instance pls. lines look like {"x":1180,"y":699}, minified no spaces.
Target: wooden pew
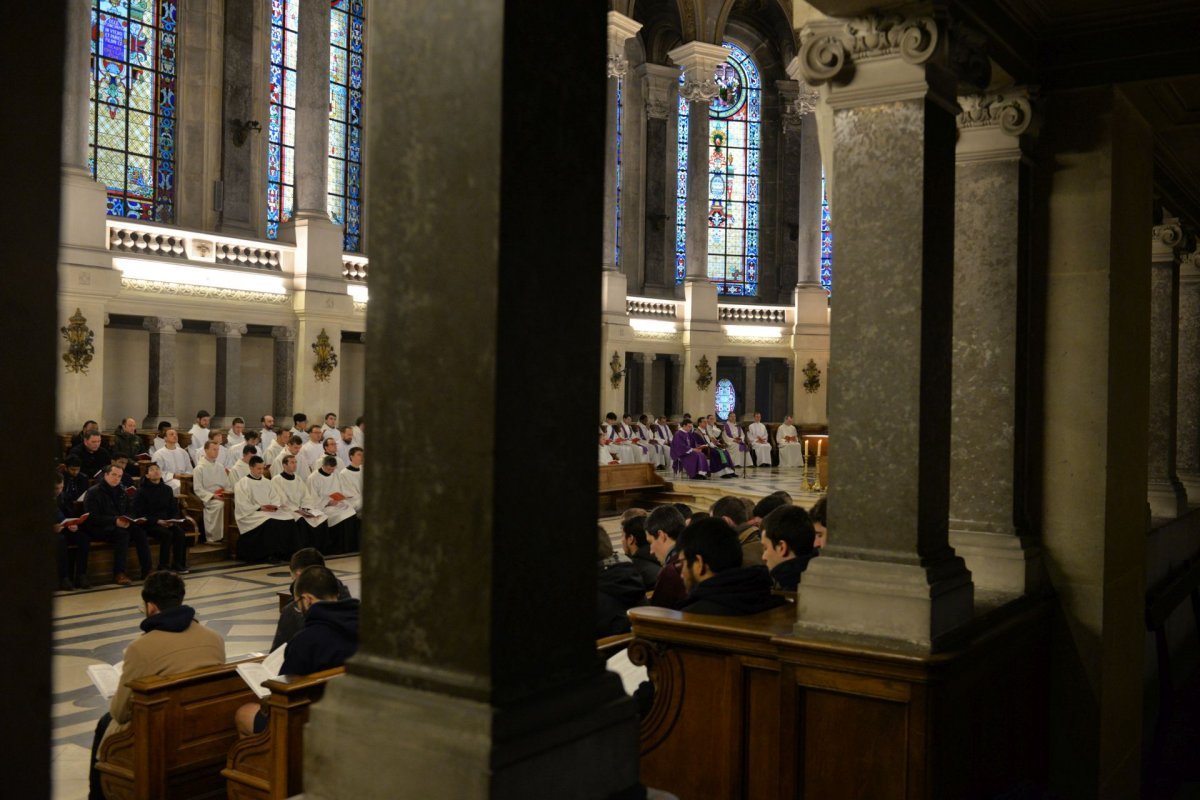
{"x":100,"y":554}
{"x":180,"y":737}
{"x":193,"y":504}
{"x":628,"y":483}
{"x":1160,"y":605}
{"x":269,"y":765}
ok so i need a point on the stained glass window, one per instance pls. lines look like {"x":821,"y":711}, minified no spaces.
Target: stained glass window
{"x":281,"y":124}
{"x":131,"y":125}
{"x":617,"y":240}
{"x":725,"y":398}
{"x":735,"y":136}
{"x":826,"y":241}
{"x":347,"y":39}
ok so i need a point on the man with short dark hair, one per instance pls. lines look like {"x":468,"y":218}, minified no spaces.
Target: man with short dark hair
{"x":360,"y":432}
{"x":637,"y":547}
{"x":330,"y":427}
{"x":328,"y":495}
{"x":71,"y":572}
{"x":788,"y":545}
{"x":618,"y":588}
{"x":75,"y":483}
{"x":88,"y":427}
{"x":817,"y":514}
{"x":291,"y":618}
{"x":242,"y":468}
{"x":687,"y":452}
{"x":161,"y":438}
{"x":237,"y":434}
{"x":663,"y":527}
{"x":172,"y":642}
{"x":126,"y":442}
{"x":173,"y":460}
{"x":210,"y":482}
{"x":267,"y":532}
{"x":108,"y":508}
{"x":760,"y":441}
{"x":92,"y":454}
{"x":199,"y":433}
{"x":733,"y":511}
{"x":712,"y":570}
{"x":299,"y":425}
{"x":156,"y":502}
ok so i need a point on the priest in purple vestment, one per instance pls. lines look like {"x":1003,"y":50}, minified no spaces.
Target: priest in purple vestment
{"x":686,"y":453}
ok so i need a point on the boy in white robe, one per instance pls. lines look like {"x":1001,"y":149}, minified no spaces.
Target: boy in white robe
{"x":172,"y":460}
{"x":199,"y":434}
{"x":791,"y":451}
{"x":237,"y":435}
{"x":760,"y":441}
{"x":276,"y":445}
{"x":292,"y":449}
{"x":325,"y":493}
{"x":330,"y":427}
{"x":210,"y":482}
{"x":312,"y":450}
{"x":360,"y":434}
{"x":242,"y":468}
{"x":352,"y":480}
{"x":161,"y":439}
{"x":292,"y":493}
{"x":266,"y":531}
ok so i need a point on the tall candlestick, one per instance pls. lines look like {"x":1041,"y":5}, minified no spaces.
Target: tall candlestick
{"x":819,"y":450}
{"x":806,"y":451}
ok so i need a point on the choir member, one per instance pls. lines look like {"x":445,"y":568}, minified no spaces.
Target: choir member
{"x":266,"y":530}
{"x":760,"y":441}
{"x":689,"y":453}
{"x":210,"y":483}
{"x":791,"y":451}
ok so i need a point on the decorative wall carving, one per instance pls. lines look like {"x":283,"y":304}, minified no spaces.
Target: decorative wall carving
{"x":327,"y":359}
{"x":188,"y":290}
{"x":1010,"y":111}
{"x":704,"y":374}
{"x":812,"y":377}
{"x":1169,"y":234}
{"x":616,"y":370}
{"x":81,"y":348}
{"x":827,"y":49}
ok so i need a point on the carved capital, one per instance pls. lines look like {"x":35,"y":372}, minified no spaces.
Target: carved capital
{"x":699,"y":62}
{"x":1009,"y":111}
{"x":226,"y":330}
{"x":827,"y":48}
{"x":798,"y":100}
{"x":1169,"y":234}
{"x":658,"y":88}
{"x":284,"y":333}
{"x":162,"y":324}
{"x":620,"y":29}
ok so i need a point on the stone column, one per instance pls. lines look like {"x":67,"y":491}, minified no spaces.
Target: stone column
{"x":283,"y":373}
{"x":620,"y":29}
{"x":229,"y":372}
{"x":659,"y":84}
{"x":677,"y":386}
{"x":988,"y":520}
{"x":497,"y":689}
{"x":238,"y":165}
{"x":76,"y":81}
{"x":1187,"y":453}
{"x":891,"y":571}
{"x":161,"y":400}
{"x":1164,"y":490}
{"x":646,"y":363}
{"x":750,"y":388}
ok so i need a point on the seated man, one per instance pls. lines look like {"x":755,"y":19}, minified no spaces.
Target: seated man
{"x":609,"y":453}
{"x":733,"y":511}
{"x":266,"y":422}
{"x":88,"y":427}
{"x":160,"y":440}
{"x":92,"y":455}
{"x":75,"y":483}
{"x":352,"y":480}
{"x":299,"y":426}
{"x":279,"y":441}
{"x":626,"y":452}
{"x":330,"y":428}
{"x":292,"y":494}
{"x":760,"y":441}
{"x":108,"y":508}
{"x":126,"y":442}
{"x":326,"y":494}
{"x":253,"y":439}
{"x":630,"y":435}
{"x":717,"y":582}
{"x":242,"y":468}
{"x":210,"y":482}
{"x":267,"y":532}
{"x":344,"y":442}
{"x":791,"y":451}
{"x":360,"y":432}
{"x":291,"y":618}
{"x":199,"y":433}
{"x":172,"y":642}
{"x":689,"y":452}
{"x":331,"y":449}
{"x":172,"y":460}
{"x":817,"y":514}
{"x":788,"y":537}
{"x":618,"y":588}
{"x":659,"y":453}
{"x":637,"y":547}
{"x":328,"y":638}
{"x":71,"y":572}
{"x":720,"y":462}
{"x":127,"y":473}
{"x":312,"y":451}
{"x":237,"y":435}
{"x":735,"y":440}
{"x":663,"y":527}
{"x":156,"y":502}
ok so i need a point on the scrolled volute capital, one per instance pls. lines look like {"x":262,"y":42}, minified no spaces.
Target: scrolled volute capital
{"x":162,"y":324}
{"x":1169,"y":234}
{"x":283,"y":333}
{"x":228,"y":329}
{"x":699,"y":61}
{"x":620,"y":29}
{"x":1011,"y":112}
{"x":828,"y":47}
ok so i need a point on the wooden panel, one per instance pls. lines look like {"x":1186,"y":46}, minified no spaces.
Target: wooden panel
{"x":762,"y":752}
{"x":853,"y":747}
{"x":622,"y":477}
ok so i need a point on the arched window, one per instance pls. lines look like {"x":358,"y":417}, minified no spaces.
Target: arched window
{"x":281,"y":125}
{"x":735,"y":137}
{"x":347,"y":37}
{"x":826,"y":241}
{"x":131,"y":127}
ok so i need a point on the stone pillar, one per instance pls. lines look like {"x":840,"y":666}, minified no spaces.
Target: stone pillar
{"x":1164,"y":490}
{"x":988,"y":521}
{"x":646,"y":363}
{"x":750,"y":388}
{"x":229,"y":372}
{"x":239,"y":178}
{"x":283,"y":373}
{"x":891,"y":571}
{"x":77,"y":79}
{"x":161,"y":400}
{"x":499,"y":692}
{"x":659,"y":84}
{"x":677,"y":386}
{"x":315,"y":395}
{"x":1187,"y":453}
{"x":620,"y":29}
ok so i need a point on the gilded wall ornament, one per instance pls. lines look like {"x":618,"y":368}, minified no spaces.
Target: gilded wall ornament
{"x":703,"y":374}
{"x":617,"y":370}
{"x":812,"y":377}
{"x":81,"y":348}
{"x":326,"y":357}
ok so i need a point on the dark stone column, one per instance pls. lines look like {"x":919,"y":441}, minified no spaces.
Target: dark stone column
{"x":283,"y":373}
{"x":229,"y":372}
{"x":237,"y":162}
{"x":1187,"y":453}
{"x":161,"y":400}
{"x":1164,"y":490}
{"x":659,"y":90}
{"x":494,"y":685}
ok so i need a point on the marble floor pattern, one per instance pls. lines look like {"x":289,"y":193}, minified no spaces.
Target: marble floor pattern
{"x":92,"y":627}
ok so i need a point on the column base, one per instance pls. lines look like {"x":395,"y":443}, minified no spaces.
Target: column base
{"x":907,"y":603}
{"x":1191,"y":486}
{"x":1167,"y":498}
{"x":582,"y":743}
{"x":1000,"y":562}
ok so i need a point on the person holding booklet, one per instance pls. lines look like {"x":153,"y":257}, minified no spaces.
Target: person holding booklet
{"x":267,"y":530}
{"x":108,"y":520}
{"x":71,"y":573}
{"x":210,"y":482}
{"x":172,"y":642}
{"x":156,"y":503}
{"x":292,"y":493}
{"x":329,"y":494}
{"x":291,"y":618}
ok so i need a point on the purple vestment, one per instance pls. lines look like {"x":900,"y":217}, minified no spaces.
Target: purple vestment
{"x":681,"y":453}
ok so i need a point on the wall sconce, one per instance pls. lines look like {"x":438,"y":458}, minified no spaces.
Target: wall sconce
{"x":326,"y":357}
{"x":242,"y":129}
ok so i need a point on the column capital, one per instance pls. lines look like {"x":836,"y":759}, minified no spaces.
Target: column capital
{"x":1165,"y":239}
{"x":749,"y":361}
{"x":644,"y":358}
{"x":829,"y":47}
{"x":1010,"y":111}
{"x":1189,"y":267}
{"x":699,"y":61}
{"x":162,"y":324}
{"x":225,"y":330}
{"x":620,"y":30}
{"x":659,"y":84}
{"x":798,"y":100}
{"x":284,"y":333}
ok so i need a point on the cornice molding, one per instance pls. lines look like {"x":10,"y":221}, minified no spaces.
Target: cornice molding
{"x":208,"y":292}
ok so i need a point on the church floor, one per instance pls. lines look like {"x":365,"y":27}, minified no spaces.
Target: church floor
{"x":95,"y":627}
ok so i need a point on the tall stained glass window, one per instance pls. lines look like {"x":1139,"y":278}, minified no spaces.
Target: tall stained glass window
{"x":617,"y":240}
{"x":347,"y":37}
{"x":281,"y":124}
{"x":734,"y":133}
{"x":826,"y":241}
{"x":131,"y":125}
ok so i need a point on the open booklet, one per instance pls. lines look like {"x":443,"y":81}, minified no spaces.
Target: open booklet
{"x":255,"y":673}
{"x":632,"y":676}
{"x":106,"y":678}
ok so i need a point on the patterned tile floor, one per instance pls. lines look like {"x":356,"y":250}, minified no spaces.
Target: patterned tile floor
{"x":92,"y":627}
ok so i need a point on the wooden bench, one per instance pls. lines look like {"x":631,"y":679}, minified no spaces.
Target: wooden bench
{"x":179,"y":738}
{"x":193,"y":504}
{"x":269,"y":765}
{"x":629,"y":484}
{"x":1160,"y":605}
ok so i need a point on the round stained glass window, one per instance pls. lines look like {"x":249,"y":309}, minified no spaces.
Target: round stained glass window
{"x":726,"y":398}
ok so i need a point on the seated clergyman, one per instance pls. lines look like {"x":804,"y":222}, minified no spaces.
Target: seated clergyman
{"x":266,"y":530}
{"x":108,"y":520}
{"x":717,"y":582}
{"x":172,"y":459}
{"x":327,"y":493}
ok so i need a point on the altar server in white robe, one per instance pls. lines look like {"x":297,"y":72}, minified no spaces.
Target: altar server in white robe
{"x":330,"y":427}
{"x":265,"y":530}
{"x":760,"y":441}
{"x":293,"y":494}
{"x":662,"y":433}
{"x":160,"y":440}
{"x":278,"y":442}
{"x":331,"y":449}
{"x":210,"y":482}
{"x":242,"y":468}
{"x":352,"y":480}
{"x":612,"y":432}
{"x":199,"y":434}
{"x":311,"y":452}
{"x":172,"y":460}
{"x":326,"y":493}
{"x":299,"y":426}
{"x":345,"y":441}
{"x":360,"y":435}
{"x":607,"y":456}
{"x":236,"y":436}
{"x":292,"y":449}
{"x":659,"y":453}
{"x":791,"y":451}
{"x":629,"y":433}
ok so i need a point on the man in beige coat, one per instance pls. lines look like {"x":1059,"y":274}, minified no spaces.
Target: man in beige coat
{"x":172,"y":642}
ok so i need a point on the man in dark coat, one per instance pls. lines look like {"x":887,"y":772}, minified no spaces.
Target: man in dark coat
{"x":108,"y":509}
{"x":637,"y":547}
{"x":157,"y":503}
{"x":663,"y":527}
{"x":93,"y":456}
{"x":618,"y":588}
{"x":291,"y":618}
{"x":712,"y":570}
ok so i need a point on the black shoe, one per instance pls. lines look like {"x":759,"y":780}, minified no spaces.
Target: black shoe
{"x":65,"y":585}
{"x":727,"y":477}
{"x":700,"y":478}
{"x":82,"y":582}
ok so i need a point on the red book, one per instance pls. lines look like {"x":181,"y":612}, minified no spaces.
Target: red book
{"x":132,"y":521}
{"x":66,"y":523}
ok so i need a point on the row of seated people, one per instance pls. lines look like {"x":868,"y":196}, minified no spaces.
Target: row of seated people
{"x":733,"y":558}
{"x":318,"y":629}
{"x":701,"y":448}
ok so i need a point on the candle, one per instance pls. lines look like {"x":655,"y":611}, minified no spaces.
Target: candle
{"x":819,"y":449}
{"x":806,"y":451}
